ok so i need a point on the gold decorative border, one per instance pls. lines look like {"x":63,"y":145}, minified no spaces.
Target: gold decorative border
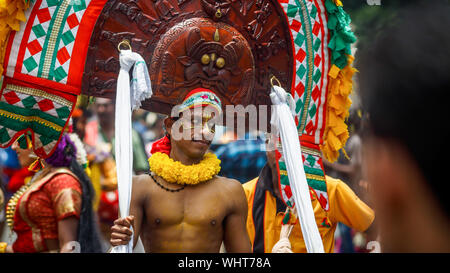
{"x":304,"y":149}
{"x":39,"y":93}
{"x":310,"y":151}
{"x":309,"y":46}
{"x":315,"y":177}
{"x":51,"y":47}
{"x":308,"y":176}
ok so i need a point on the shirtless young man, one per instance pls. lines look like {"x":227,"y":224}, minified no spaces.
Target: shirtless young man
{"x":170,"y":217}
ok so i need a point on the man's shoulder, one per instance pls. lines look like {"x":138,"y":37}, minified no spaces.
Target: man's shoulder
{"x":232,"y":193}
{"x":141,"y":182}
{"x":141,"y":178}
{"x":227,"y":182}
{"x":231,"y":188}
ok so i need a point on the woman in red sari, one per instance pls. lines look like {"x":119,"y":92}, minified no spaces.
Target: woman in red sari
{"x":53,"y":211}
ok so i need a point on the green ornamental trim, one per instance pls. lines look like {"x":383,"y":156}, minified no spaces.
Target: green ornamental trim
{"x":317,"y":185}
{"x":306,"y":25}
{"x":36,"y":112}
{"x":341,"y":34}
{"x":18,"y":125}
{"x":314,"y":184}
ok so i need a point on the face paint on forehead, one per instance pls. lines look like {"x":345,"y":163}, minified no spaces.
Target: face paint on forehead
{"x":203,"y":113}
{"x":199,"y":122}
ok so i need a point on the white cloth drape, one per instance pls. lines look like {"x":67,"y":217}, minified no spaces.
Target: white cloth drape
{"x":283,"y":123}
{"x":128,"y":98}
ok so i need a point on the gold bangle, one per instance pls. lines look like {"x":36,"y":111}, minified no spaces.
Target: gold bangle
{"x":3,"y":247}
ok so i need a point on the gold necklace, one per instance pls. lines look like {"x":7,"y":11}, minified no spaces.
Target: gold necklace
{"x":12,"y":203}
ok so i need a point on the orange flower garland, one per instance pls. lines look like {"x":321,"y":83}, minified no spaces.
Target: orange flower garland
{"x":174,"y":172}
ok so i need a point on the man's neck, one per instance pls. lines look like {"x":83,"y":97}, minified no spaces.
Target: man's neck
{"x":183,"y":158}
{"x":107,"y":129}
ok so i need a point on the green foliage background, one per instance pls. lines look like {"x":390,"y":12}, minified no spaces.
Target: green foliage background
{"x":368,"y":21}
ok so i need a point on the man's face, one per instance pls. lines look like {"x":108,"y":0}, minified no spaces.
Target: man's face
{"x":104,"y":109}
{"x":193,"y":132}
{"x":25,"y":156}
{"x":80,"y":126}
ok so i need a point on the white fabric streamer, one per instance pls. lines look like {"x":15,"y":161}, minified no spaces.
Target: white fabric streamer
{"x":128,"y":98}
{"x":283,"y":122}
{"x":141,"y":87}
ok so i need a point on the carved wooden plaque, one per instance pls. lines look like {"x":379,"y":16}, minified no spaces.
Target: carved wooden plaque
{"x":232,"y":47}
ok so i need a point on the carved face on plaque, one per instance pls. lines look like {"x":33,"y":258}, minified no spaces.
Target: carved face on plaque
{"x":202,"y":53}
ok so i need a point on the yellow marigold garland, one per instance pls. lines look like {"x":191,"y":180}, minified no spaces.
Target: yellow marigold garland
{"x":174,"y":172}
{"x":340,"y":88}
{"x":340,"y":80}
{"x":11,"y":13}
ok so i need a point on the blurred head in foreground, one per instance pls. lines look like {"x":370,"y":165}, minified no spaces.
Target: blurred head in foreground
{"x":405,"y":81}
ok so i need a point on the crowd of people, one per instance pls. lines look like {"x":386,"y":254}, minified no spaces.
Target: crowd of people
{"x":242,"y":159}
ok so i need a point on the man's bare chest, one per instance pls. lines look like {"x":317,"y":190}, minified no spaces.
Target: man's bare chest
{"x":194,"y":205}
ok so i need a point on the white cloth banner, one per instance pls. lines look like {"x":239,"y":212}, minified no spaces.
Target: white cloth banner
{"x":283,"y":122}
{"x":128,"y":98}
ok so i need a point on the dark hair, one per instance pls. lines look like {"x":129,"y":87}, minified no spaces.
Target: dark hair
{"x":63,"y":154}
{"x":404,"y":80}
{"x":88,"y":234}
